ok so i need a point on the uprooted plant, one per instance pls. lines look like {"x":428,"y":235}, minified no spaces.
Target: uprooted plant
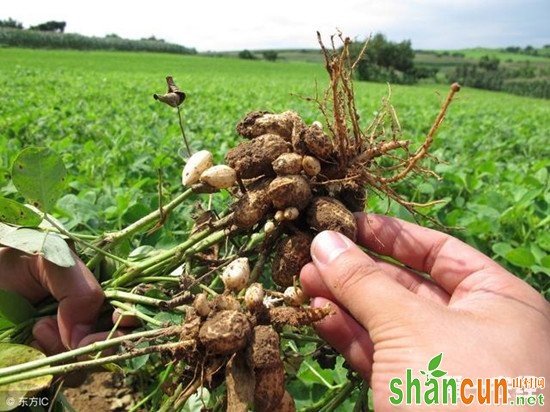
{"x":288,"y":181}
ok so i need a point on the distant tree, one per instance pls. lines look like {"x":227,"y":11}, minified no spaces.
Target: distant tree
{"x":56,"y":26}
{"x":424,"y":72}
{"x":247,"y":55}
{"x":530,"y":50}
{"x":489,"y":63}
{"x":153,"y":38}
{"x":484,"y":75}
{"x":386,"y":61}
{"x":513,"y":49}
{"x":10,"y":24}
{"x":112,"y":36}
{"x":270,"y":55}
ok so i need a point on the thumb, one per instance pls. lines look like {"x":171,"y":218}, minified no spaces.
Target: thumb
{"x":357,"y":283}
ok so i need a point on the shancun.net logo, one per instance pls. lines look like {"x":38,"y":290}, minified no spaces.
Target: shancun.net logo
{"x":440,"y":389}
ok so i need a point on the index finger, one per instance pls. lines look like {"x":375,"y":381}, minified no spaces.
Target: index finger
{"x":80,"y":298}
{"x":446,"y":259}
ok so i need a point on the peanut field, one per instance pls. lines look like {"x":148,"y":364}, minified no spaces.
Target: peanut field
{"x":124,"y":155}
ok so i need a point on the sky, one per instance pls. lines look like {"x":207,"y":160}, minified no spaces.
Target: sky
{"x":209,"y":25}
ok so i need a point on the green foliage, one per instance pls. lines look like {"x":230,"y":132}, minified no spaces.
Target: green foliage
{"x":10,"y":24}
{"x":488,"y":74}
{"x":489,"y":63}
{"x":14,"y":309}
{"x":270,"y":55}
{"x":114,"y":139}
{"x":57,"y":40}
{"x":509,"y":71}
{"x":386,"y":61}
{"x":246,"y":55}
{"x":39,"y":175}
{"x":12,"y":394}
{"x":528,"y":87}
{"x":480,"y":76}
{"x":14,"y":213}
{"x":52,"y":25}
{"x":49,"y":245}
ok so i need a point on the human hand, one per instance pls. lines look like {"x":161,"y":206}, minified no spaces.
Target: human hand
{"x":80,"y":298}
{"x":388,"y":318}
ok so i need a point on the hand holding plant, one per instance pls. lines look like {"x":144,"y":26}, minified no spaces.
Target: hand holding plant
{"x":389,"y":317}
{"x":79,"y":294}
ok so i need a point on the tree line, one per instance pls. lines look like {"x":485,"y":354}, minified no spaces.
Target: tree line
{"x":52,"y":25}
{"x":51,"y":34}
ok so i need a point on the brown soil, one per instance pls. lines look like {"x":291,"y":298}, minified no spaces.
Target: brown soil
{"x":102,"y":391}
{"x":253,"y":158}
{"x":291,"y":255}
{"x":326,"y":213}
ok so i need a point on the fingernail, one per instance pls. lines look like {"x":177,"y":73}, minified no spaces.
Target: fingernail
{"x":328,"y":245}
{"x":318,"y":302}
{"x":80,"y":331}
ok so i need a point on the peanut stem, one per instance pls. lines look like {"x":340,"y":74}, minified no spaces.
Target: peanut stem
{"x":113,"y":238}
{"x":183,"y":132}
{"x":94,"y":347}
{"x":132,"y":311}
{"x":29,"y":374}
{"x":84,"y":242}
{"x":171,"y":258}
{"x":337,"y":399}
{"x":134,"y":298}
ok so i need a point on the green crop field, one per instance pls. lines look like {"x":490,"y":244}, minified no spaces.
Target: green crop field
{"x":96,"y":109}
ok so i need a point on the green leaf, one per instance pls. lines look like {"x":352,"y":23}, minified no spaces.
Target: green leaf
{"x":11,"y":394}
{"x":14,"y":309}
{"x":139,"y":361}
{"x":545,"y":261}
{"x":434,"y":363}
{"x":425,"y":188}
{"x":50,"y":245}
{"x":311,"y":372}
{"x":537,"y":252}
{"x":113,"y":368}
{"x":502,"y":248}
{"x":197,"y":400}
{"x":169,"y":318}
{"x":15,"y":213}
{"x":540,"y":269}
{"x":141,"y":252}
{"x":438,"y":373}
{"x":543,"y":240}
{"x":521,"y":257}
{"x":39,"y":175}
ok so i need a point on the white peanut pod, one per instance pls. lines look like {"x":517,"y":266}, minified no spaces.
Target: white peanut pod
{"x":235,"y":275}
{"x":294,"y":296}
{"x":279,"y":215}
{"x":291,"y":213}
{"x":317,"y":124}
{"x":269,"y":227}
{"x":194,"y":167}
{"x":219,"y":176}
{"x":254,"y":296}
